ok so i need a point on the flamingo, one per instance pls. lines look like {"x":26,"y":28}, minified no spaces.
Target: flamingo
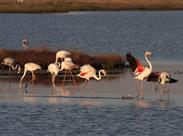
{"x":161,"y":77}
{"x":30,"y":67}
{"x":141,"y":72}
{"x":54,"y":70}
{"x":61,"y":54}
{"x":10,"y":62}
{"x":68,"y":65}
{"x":25,"y":44}
{"x":87,"y":72}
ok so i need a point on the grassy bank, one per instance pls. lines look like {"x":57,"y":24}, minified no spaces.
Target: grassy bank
{"x":45,"y":6}
{"x":44,"y":56}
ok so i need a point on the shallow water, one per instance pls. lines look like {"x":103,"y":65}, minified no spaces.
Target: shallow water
{"x":94,"y":110}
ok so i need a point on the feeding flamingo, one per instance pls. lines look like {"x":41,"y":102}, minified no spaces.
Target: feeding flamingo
{"x":139,"y":70}
{"x":30,"y":67}
{"x":87,"y":72}
{"x":162,"y":78}
{"x":68,"y":65}
{"x":62,"y":54}
{"x":54,"y":70}
{"x":10,"y":62}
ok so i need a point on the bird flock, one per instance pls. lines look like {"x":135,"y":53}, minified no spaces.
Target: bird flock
{"x":87,"y":71}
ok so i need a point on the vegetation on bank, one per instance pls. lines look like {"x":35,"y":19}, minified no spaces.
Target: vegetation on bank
{"x":45,"y":6}
{"x":45,"y":56}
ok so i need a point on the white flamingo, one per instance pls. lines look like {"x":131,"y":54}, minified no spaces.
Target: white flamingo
{"x":68,"y":65}
{"x":25,"y":44}
{"x":62,"y":54}
{"x":142,"y":73}
{"x":30,"y":67}
{"x":87,"y":72}
{"x":10,"y":62}
{"x":54,"y":70}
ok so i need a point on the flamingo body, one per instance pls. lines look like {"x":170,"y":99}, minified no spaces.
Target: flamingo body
{"x":87,"y":72}
{"x":144,"y":72}
{"x":30,"y":67}
{"x":62,"y":54}
{"x":11,"y":62}
{"x":53,"y":69}
{"x":68,"y":65}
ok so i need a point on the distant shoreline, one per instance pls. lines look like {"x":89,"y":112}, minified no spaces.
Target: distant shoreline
{"x":60,"y":6}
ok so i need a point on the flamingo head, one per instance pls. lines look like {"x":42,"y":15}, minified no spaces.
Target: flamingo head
{"x":148,"y":53}
{"x":164,"y":77}
{"x":103,"y":72}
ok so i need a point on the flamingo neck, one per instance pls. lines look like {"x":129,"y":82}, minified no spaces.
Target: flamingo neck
{"x":150,"y":65}
{"x":16,"y":67}
{"x":99,"y":76}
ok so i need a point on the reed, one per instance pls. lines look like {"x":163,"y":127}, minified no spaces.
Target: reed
{"x":44,"y":56}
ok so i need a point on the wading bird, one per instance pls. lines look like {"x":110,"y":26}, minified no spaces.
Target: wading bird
{"x":62,"y":54}
{"x":161,"y":77}
{"x":87,"y":72}
{"x":25,"y":44}
{"x":139,"y":70}
{"x":10,"y":62}
{"x":54,"y":70}
{"x":30,"y":67}
{"x":68,"y":65}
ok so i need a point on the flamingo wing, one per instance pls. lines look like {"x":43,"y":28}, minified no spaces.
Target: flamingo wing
{"x":140,"y":67}
{"x":87,"y":67}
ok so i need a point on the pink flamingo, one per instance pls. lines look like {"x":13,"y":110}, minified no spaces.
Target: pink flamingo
{"x":62,"y":54}
{"x":68,"y":65}
{"x":139,"y":70}
{"x":87,"y":72}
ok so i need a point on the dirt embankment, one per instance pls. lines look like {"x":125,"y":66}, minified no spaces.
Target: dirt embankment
{"x":45,"y":6}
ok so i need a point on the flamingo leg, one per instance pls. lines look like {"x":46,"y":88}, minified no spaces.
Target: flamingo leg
{"x":137,"y":88}
{"x":2,"y":66}
{"x":72,"y":78}
{"x":84,"y":82}
{"x":9,"y":78}
{"x":64,"y":77}
{"x":33,"y":76}
{"x":142,"y":89}
{"x":53,"y":80}
{"x":163,"y":91}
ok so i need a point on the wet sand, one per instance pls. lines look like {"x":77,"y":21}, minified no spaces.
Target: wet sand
{"x":105,"y":92}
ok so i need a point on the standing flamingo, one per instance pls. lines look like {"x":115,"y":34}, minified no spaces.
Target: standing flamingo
{"x":30,"y":67}
{"x":61,"y":54}
{"x":161,"y":77}
{"x":25,"y":44}
{"x":139,"y":70}
{"x":54,"y":70}
{"x":68,"y":65}
{"x":10,"y":62}
{"x":87,"y":72}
